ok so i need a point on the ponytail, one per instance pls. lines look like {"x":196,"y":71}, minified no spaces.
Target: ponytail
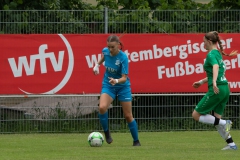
{"x":221,"y":48}
{"x":121,"y":45}
{"x":233,"y":53}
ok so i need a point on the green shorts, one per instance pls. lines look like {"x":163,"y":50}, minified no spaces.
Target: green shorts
{"x":214,"y":102}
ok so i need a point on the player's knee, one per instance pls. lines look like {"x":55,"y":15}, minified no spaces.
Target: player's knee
{"x":129,"y":117}
{"x":195,"y":116}
{"x":102,"y":108}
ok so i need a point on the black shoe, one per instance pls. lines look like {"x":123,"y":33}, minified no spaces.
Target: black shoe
{"x":108,"y":137}
{"x":136,"y":143}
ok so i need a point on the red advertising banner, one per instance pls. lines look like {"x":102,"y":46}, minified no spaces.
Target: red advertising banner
{"x":63,"y":64}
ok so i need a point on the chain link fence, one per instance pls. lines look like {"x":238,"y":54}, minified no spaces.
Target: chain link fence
{"x":79,"y":113}
{"x":118,"y":21}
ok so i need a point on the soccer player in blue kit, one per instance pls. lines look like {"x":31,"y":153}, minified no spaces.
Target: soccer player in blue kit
{"x":115,"y":83}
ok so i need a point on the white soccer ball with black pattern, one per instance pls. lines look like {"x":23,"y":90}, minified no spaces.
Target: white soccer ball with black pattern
{"x":95,"y":139}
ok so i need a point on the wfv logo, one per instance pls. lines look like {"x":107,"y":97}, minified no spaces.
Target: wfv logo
{"x":42,"y":57}
{"x":30,"y":67}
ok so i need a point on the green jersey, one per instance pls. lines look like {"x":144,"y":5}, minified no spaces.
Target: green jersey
{"x":215,"y":57}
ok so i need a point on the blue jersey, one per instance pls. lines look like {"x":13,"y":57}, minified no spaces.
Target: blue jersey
{"x":115,"y":67}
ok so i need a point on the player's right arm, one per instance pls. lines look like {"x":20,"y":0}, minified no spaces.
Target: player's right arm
{"x":101,"y":60}
{"x":97,"y":65}
{"x":199,"y":83}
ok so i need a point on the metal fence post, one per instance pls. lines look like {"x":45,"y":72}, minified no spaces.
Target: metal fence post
{"x":105,"y":20}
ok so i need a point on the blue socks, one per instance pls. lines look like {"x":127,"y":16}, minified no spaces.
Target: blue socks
{"x":104,"y":120}
{"x":133,"y":129}
{"x":132,"y":125}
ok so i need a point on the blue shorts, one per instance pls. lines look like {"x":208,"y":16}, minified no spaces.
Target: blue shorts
{"x":124,"y":94}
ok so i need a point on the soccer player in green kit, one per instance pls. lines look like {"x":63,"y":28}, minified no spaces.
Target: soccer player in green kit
{"x":218,"y":90}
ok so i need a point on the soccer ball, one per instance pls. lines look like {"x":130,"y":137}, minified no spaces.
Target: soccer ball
{"x":95,"y":139}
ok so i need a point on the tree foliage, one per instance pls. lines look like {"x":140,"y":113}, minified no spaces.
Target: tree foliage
{"x":116,"y":4}
{"x":45,"y":5}
{"x":226,"y":4}
{"x":131,"y":16}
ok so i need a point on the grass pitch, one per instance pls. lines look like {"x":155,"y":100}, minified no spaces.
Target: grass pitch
{"x":192,"y":145}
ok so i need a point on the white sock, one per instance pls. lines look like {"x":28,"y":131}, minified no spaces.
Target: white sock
{"x":208,"y":119}
{"x":222,"y":122}
{"x":231,"y":144}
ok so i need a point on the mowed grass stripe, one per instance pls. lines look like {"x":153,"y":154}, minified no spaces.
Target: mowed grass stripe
{"x":191,"y":145}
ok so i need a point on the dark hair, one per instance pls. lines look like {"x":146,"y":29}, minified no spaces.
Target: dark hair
{"x":213,"y":36}
{"x":114,"y":38}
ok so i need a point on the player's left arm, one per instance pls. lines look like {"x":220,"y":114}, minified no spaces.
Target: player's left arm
{"x":120,"y":80}
{"x":124,"y":71}
{"x":215,"y":75}
{"x":123,"y":79}
{"x":215,"y":72}
{"x":215,"y":66}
